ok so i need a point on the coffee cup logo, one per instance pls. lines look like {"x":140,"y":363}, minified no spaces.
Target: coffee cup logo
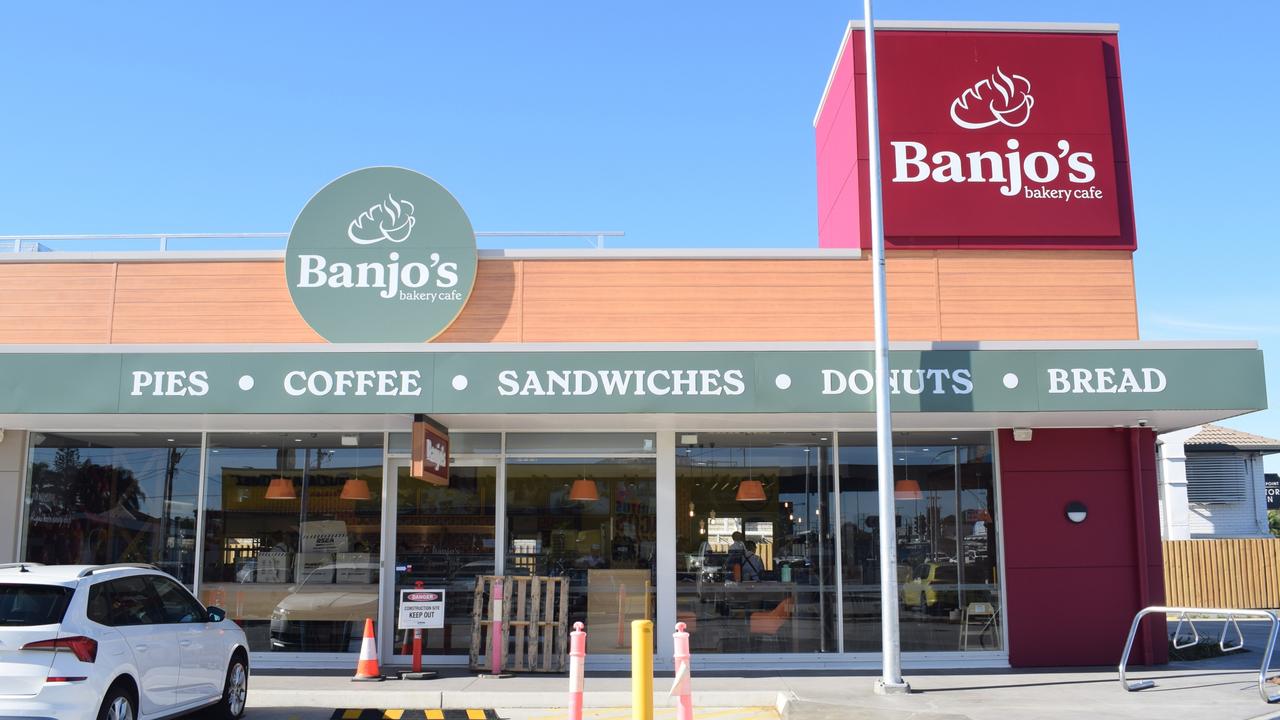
{"x":1001,"y":99}
{"x":390,"y":220}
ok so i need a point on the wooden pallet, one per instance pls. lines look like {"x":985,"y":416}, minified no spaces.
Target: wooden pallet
{"x":535,"y":623}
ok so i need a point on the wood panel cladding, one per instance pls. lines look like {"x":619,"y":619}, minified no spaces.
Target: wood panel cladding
{"x":933,"y":295}
{"x":56,"y":302}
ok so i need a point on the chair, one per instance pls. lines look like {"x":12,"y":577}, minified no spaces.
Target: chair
{"x":768,"y":623}
{"x":983,"y":616}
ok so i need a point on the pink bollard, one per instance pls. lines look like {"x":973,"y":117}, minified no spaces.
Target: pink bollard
{"x":577,"y":662}
{"x":682,"y":687}
{"x":495,"y":631}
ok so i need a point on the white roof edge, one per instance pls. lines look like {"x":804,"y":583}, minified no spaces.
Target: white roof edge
{"x":990,"y":25}
{"x":945,"y":25}
{"x":811,"y":253}
{"x":831,"y":77}
{"x":629,"y":347}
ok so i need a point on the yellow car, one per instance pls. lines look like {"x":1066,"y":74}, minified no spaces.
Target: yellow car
{"x":932,"y":587}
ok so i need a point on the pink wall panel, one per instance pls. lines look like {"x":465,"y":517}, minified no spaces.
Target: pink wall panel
{"x":836,"y":134}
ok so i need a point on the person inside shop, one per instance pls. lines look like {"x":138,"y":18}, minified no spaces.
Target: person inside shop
{"x":752,"y":565}
{"x":593,"y":560}
{"x":737,"y":552}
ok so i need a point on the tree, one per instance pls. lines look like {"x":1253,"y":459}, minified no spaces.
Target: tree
{"x":1273,"y":519}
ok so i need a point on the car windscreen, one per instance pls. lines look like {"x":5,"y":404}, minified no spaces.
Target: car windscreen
{"x":28,"y":605}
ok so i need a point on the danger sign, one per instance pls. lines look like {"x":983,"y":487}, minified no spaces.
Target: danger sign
{"x":421,"y":609}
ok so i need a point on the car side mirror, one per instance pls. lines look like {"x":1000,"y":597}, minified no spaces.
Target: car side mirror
{"x":216,"y":614}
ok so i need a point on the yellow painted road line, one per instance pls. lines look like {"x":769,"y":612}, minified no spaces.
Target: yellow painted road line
{"x":474,"y":714}
{"x":753,"y":713}
{"x":392,"y":714}
{"x":352,"y":714}
{"x":435,"y":714}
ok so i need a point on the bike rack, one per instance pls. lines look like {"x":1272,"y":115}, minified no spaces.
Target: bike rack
{"x":1184,"y":617}
{"x":1177,"y":632}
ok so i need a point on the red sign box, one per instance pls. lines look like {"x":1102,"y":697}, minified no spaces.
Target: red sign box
{"x":988,"y":139}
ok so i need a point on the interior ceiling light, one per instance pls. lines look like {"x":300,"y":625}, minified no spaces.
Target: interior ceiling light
{"x":281,"y":488}
{"x":907,"y":490}
{"x":584,"y":489}
{"x":749,"y":490}
{"x":355,"y":489}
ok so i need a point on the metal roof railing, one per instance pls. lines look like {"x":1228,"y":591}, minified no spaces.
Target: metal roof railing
{"x":151,"y":242}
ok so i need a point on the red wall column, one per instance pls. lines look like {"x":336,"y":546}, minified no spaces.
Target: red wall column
{"x":1072,"y":589}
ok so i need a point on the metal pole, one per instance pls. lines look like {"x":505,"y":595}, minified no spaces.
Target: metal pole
{"x":890,"y":682}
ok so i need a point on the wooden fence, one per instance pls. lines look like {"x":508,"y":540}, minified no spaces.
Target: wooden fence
{"x":1241,"y":573}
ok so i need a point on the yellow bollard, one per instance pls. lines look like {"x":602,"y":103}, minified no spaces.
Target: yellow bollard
{"x":641,"y":670}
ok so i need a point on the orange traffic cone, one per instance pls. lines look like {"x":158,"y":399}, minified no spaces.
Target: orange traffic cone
{"x":367,"y":667}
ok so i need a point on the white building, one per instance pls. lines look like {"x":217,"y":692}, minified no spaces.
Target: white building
{"x":1212,"y":483}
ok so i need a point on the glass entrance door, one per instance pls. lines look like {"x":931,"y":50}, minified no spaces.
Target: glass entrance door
{"x":444,"y":538}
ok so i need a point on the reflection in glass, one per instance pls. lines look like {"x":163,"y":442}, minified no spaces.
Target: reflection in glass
{"x":946,"y":544}
{"x":755,"y":555}
{"x":106,"y":498}
{"x":291,"y":543}
{"x":444,"y":540}
{"x":605,"y":545}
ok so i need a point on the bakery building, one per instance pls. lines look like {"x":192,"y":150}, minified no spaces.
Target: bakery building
{"x":683,"y":434}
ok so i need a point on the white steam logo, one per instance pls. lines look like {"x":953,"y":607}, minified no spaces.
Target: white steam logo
{"x":391,"y":220}
{"x":998,"y":100}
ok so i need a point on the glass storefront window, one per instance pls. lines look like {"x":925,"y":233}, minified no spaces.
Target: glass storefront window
{"x":593,"y":520}
{"x":293,"y":535}
{"x":293,"y":528}
{"x":586,"y":443}
{"x":97,"y":498}
{"x":755,"y":555}
{"x":460,"y":443}
{"x":445,"y":539}
{"x":948,"y":588}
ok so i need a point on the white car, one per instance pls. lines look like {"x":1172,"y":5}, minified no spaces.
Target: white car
{"x":114,"y":642}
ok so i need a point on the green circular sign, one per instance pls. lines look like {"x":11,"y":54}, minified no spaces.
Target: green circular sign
{"x":381,"y":254}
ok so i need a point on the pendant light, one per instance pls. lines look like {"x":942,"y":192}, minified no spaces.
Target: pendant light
{"x":749,"y":490}
{"x":281,"y":487}
{"x":907,"y":490}
{"x":584,"y":489}
{"x":355,"y":488}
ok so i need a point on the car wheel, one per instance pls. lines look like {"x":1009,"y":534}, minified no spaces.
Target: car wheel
{"x":235,"y":691}
{"x":118,"y":704}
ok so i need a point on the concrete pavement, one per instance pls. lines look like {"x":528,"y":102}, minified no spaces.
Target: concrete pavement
{"x":1225,"y":693}
{"x":1223,"y":688}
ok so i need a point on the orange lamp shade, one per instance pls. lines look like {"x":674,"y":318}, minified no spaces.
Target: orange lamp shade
{"x":281,"y":488}
{"x":355,"y":489}
{"x":907,"y":490}
{"x":750,"y":491}
{"x":584,"y":490}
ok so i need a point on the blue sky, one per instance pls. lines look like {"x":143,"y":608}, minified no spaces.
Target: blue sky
{"x":683,"y":124}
